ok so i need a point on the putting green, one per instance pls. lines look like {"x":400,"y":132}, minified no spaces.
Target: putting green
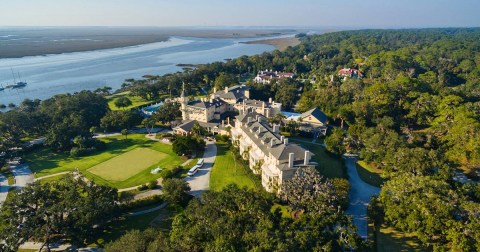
{"x":124,"y":166}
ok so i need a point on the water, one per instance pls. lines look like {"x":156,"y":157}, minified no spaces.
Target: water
{"x":72,"y":72}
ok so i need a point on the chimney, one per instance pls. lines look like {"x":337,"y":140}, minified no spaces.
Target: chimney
{"x":249,"y":119}
{"x":281,"y":138}
{"x":276,"y":128}
{"x":291,"y":157}
{"x":267,"y":113}
{"x":263,"y":105}
{"x":211,"y":100}
{"x":247,"y":94}
{"x":270,"y":100}
{"x":226,"y":90}
{"x":285,"y":141}
{"x":259,"y":130}
{"x":223,"y":123}
{"x":272,"y":142}
{"x":228,"y":120}
{"x":256,"y":117}
{"x":214,"y":90}
{"x":306,"y":160}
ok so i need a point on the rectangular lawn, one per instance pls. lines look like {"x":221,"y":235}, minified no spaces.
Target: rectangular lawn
{"x":128,"y":164}
{"x":225,"y":172}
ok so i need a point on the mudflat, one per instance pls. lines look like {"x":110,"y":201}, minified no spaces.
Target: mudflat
{"x":279,"y":43}
{"x":24,"y":41}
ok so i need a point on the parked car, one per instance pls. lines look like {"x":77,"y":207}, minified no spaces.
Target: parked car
{"x":192,"y":171}
{"x":200,"y":162}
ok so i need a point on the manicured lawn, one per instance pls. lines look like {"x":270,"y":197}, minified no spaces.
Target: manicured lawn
{"x":389,"y":239}
{"x":128,"y":164}
{"x":329,"y":165}
{"x":44,"y":162}
{"x":227,"y":170}
{"x":369,"y":174}
{"x":119,"y":227}
{"x":136,"y":100}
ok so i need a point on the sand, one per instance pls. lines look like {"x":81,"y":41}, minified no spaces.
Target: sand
{"x":43,"y":41}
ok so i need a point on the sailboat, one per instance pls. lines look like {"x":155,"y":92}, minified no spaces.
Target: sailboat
{"x":19,"y":84}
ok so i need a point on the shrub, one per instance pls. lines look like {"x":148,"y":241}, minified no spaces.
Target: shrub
{"x":152,"y":184}
{"x":142,"y":188}
{"x":156,"y":199}
{"x":166,"y":174}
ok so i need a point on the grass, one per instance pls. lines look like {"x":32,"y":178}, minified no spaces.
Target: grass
{"x":119,"y":227}
{"x":369,"y":173}
{"x":164,"y":219}
{"x":389,"y":239}
{"x":128,"y":164}
{"x":136,"y":100}
{"x":227,"y":170}
{"x":330,"y":166}
{"x":43,"y":162}
{"x":284,"y":209}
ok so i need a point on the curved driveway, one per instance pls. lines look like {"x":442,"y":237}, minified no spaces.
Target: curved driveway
{"x":3,"y":189}
{"x":200,"y":182}
{"x":360,"y":194}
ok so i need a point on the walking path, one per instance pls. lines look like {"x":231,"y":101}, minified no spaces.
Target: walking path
{"x":359,"y":196}
{"x":200,"y":182}
{"x":3,"y":189}
{"x":147,"y":210}
{"x":53,"y":175}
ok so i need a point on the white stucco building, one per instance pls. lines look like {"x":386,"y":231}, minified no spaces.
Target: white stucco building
{"x":269,"y":154}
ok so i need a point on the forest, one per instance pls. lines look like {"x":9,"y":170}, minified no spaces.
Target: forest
{"x":415,"y":115}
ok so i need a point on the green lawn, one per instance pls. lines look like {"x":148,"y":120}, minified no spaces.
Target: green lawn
{"x":329,"y":165}
{"x":227,"y":170}
{"x":389,"y":239}
{"x":369,"y":174}
{"x":128,"y":164}
{"x":136,"y":100}
{"x":44,"y":162}
{"x":119,"y":227}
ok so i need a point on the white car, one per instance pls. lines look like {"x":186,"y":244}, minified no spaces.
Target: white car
{"x":200,"y":162}
{"x":192,"y":171}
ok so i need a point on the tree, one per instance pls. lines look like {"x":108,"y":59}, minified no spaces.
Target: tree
{"x":118,"y":120}
{"x":69,"y":208}
{"x":175,"y":191}
{"x":125,"y":133}
{"x":335,"y":142}
{"x":309,"y":192}
{"x":168,"y":112}
{"x":225,"y":80}
{"x":122,"y":102}
{"x":150,"y":240}
{"x":186,"y":145}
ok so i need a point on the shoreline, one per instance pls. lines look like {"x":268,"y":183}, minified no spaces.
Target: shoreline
{"x":279,"y":43}
{"x":60,"y":41}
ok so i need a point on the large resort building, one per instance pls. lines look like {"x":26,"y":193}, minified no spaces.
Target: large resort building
{"x":269,"y":154}
{"x":211,"y":113}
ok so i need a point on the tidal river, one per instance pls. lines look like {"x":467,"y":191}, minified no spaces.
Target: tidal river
{"x":70,"y":72}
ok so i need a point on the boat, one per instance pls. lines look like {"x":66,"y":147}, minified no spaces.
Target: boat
{"x":1,"y":87}
{"x":19,"y":84}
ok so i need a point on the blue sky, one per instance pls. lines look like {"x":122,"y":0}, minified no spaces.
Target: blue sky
{"x":330,"y":13}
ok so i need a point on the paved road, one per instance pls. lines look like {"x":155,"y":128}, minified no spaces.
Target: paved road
{"x":23,"y":175}
{"x":200,"y":182}
{"x":3,"y":189}
{"x":360,"y":194}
